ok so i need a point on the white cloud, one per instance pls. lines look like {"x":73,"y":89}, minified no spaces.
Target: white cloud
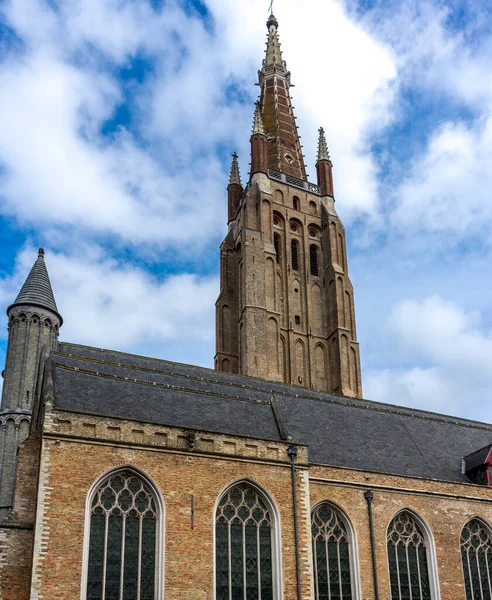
{"x":61,"y":171}
{"x":447,"y":189}
{"x":455,"y":351}
{"x":114,"y":305}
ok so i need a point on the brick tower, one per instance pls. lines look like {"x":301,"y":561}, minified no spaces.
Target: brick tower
{"x":34,"y":323}
{"x":286,"y":306}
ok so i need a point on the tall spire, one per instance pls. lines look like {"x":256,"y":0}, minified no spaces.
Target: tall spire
{"x":323,"y":153}
{"x":235,"y":177}
{"x":284,"y":147}
{"x":37,"y":290}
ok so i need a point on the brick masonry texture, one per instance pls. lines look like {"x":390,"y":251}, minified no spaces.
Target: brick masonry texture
{"x":80,"y":412}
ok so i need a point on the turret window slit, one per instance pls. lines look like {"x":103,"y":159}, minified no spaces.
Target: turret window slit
{"x":313,"y":257}
{"x":294,"y":247}
{"x":276,"y":243}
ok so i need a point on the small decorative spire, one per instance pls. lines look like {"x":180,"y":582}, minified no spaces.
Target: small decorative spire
{"x":235,"y":177}
{"x":258,"y":127}
{"x":323,"y":153}
{"x":41,"y":253}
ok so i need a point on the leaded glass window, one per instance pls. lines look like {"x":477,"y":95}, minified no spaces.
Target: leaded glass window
{"x":476,"y":556}
{"x":408,"y":560}
{"x":331,"y":555}
{"x":243,"y":546}
{"x":122,"y":542}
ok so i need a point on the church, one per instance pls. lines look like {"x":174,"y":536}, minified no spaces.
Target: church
{"x":270,"y":477}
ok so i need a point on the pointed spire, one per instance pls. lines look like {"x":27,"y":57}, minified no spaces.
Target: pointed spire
{"x":234,"y":177}
{"x":273,"y":53}
{"x":277,"y":113}
{"x":258,"y":127}
{"x":37,"y":290}
{"x":323,"y":153}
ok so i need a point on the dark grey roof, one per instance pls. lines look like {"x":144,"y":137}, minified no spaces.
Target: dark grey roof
{"x":37,"y":290}
{"x":340,"y":432}
{"x":476,"y":459}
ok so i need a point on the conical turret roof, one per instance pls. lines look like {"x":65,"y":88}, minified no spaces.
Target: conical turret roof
{"x":37,"y":290}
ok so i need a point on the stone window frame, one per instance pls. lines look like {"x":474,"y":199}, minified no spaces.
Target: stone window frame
{"x":160,"y":526}
{"x":485,"y":524}
{"x":353,"y":545}
{"x":277,"y":579}
{"x":430,"y":549}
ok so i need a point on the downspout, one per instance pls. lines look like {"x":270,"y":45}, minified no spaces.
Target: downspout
{"x":292,"y":452}
{"x":369,"y":496}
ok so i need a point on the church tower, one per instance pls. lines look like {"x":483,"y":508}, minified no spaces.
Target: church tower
{"x":33,"y":323}
{"x":286,"y":306}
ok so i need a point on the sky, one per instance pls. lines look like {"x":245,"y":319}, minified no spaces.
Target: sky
{"x":117,"y":123}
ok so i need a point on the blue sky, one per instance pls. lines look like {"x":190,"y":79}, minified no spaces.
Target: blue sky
{"x":117,"y":122}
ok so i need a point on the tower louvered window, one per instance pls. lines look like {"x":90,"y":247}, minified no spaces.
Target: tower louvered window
{"x":243,"y":545}
{"x":476,"y":556}
{"x":276,"y":243}
{"x":408,"y":560}
{"x":331,"y":555}
{"x":123,"y":540}
{"x":294,"y":247}
{"x":313,"y":257}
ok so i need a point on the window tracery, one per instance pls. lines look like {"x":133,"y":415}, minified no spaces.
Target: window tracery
{"x":331,"y":556}
{"x":476,"y":556}
{"x":122,"y":540}
{"x":244,"y":547}
{"x":408,"y":560}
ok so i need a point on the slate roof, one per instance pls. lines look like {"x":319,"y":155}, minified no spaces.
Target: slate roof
{"x":37,"y":290}
{"x":340,"y":432}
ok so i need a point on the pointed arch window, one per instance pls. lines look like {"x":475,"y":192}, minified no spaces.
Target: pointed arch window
{"x":276,"y":243}
{"x":313,"y":259}
{"x":476,"y":556}
{"x":333,"y":574}
{"x":244,"y":546}
{"x":124,"y":531}
{"x":408,"y":559}
{"x":295,"y":203}
{"x":294,"y":248}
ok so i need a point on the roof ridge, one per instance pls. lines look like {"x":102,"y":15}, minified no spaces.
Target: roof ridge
{"x":326,"y":398}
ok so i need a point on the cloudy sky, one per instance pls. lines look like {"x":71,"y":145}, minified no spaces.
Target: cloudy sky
{"x":117,"y":122}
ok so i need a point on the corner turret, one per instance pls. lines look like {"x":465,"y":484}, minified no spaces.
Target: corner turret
{"x":33,"y":323}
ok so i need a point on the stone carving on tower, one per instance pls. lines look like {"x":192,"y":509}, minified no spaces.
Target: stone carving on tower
{"x":286,"y":306}
{"x":33,"y":324}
